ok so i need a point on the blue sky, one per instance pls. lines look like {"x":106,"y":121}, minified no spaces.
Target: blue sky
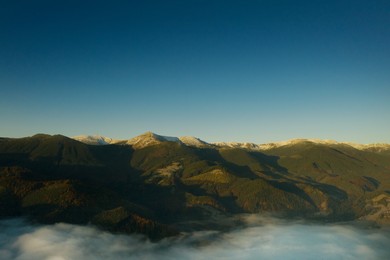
{"x":256,"y":71}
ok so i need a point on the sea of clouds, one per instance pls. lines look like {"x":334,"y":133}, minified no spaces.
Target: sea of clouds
{"x":260,"y":238}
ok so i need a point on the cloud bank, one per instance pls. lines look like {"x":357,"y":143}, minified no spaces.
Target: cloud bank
{"x":260,"y":239}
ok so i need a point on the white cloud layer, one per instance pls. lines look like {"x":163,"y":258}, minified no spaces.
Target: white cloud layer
{"x":260,"y":239}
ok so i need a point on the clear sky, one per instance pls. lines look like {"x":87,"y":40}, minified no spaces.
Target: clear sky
{"x":256,"y":71}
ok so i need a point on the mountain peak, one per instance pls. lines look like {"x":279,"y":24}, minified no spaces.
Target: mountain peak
{"x":94,"y":139}
{"x":372,"y":147}
{"x":193,"y":141}
{"x":150,"y":138}
{"x":296,"y":142}
{"x":250,"y":146}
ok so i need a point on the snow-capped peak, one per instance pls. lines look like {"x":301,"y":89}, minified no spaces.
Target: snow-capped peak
{"x":250,"y":146}
{"x":150,"y":138}
{"x":94,"y":139}
{"x":268,"y":146}
{"x":376,"y":146}
{"x":193,"y":141}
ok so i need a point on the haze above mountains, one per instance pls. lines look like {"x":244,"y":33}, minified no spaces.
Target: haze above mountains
{"x":161,"y":186}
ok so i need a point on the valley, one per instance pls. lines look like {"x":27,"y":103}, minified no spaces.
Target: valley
{"x":160,"y":186}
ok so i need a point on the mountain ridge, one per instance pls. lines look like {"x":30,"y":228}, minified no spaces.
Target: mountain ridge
{"x":155,"y":184}
{"x":150,"y":138}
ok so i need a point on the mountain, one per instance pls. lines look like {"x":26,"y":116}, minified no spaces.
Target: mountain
{"x":193,"y":141}
{"x":142,"y":140}
{"x":378,"y":147}
{"x":250,"y":146}
{"x":95,"y":139}
{"x":159,"y":185}
{"x":148,"y":139}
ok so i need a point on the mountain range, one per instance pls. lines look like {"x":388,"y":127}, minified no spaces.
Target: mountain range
{"x":150,"y":138}
{"x":160,"y":186}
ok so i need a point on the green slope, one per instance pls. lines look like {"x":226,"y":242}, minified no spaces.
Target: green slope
{"x":150,"y":189}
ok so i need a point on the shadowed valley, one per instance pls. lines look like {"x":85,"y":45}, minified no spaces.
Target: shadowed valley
{"x":160,"y":187}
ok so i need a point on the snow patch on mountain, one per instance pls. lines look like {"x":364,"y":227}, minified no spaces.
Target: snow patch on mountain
{"x":150,"y":138}
{"x":95,"y":139}
{"x":250,"y":146}
{"x":378,"y":147}
{"x":268,"y":146}
{"x":193,"y":141}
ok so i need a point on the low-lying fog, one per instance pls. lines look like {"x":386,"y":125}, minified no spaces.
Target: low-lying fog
{"x":261,"y":238}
